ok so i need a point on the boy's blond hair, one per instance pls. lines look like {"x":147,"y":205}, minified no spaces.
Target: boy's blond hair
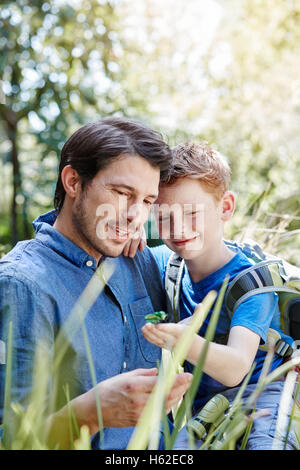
{"x":204,"y":163}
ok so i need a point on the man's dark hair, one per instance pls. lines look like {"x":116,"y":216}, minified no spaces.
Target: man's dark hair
{"x":94,"y":146}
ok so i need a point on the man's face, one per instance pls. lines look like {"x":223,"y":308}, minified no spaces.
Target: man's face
{"x":188,"y":217}
{"x":115,"y":204}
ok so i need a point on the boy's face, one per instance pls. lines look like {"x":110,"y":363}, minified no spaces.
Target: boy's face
{"x":190,"y":219}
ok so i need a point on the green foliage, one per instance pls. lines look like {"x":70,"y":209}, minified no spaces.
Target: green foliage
{"x":27,"y":428}
{"x":58,"y":69}
{"x":65,"y":63}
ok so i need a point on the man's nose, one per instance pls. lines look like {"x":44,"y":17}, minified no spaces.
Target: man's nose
{"x":134,"y":215}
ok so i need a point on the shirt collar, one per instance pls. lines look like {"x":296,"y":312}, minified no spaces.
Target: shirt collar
{"x":49,"y":236}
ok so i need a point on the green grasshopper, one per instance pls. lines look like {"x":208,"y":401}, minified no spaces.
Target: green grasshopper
{"x":156,"y":317}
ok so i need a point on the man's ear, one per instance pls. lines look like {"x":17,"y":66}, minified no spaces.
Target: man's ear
{"x":71,"y":181}
{"x":228,"y":205}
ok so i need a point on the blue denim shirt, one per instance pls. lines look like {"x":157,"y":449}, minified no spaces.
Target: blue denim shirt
{"x":41,"y":280}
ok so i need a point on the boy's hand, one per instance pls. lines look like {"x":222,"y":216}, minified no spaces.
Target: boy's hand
{"x":137,"y":242}
{"x":164,"y":335}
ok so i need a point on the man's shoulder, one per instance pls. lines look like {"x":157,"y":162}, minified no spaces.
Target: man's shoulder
{"x":152,"y":257}
{"x":19,"y":265}
{"x":141,"y":260}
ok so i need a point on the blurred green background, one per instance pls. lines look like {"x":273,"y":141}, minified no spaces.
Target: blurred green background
{"x":224,"y":71}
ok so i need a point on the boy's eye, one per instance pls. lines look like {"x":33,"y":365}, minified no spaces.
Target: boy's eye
{"x":192,"y":213}
{"x":148,"y":202}
{"x":163,"y":219}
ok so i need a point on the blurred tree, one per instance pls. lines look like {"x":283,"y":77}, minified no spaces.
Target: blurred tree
{"x":59,"y":68}
{"x":252,"y":67}
{"x":227,"y":72}
{"x":223,"y":71}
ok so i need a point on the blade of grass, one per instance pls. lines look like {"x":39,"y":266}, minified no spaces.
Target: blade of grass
{"x":74,"y":321}
{"x":166,"y":428}
{"x":234,"y":408}
{"x":7,"y":391}
{"x":140,"y":437}
{"x":283,"y":411}
{"x":280,"y":371}
{"x":80,"y":309}
{"x":293,"y":412}
{"x":248,"y":430}
{"x":73,"y":426}
{"x":39,"y":392}
{"x":198,"y":370}
{"x":94,"y":382}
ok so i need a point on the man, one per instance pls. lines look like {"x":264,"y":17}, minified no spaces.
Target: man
{"x":108,"y":179}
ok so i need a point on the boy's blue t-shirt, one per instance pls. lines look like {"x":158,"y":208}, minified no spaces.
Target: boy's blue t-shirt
{"x":258,"y":313}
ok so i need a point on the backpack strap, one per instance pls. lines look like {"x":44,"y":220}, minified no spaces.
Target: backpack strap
{"x":173,"y":277}
{"x":259,"y":279}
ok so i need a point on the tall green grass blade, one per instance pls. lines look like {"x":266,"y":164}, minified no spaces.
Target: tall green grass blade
{"x":198,"y":370}
{"x":7,"y":414}
{"x":39,"y":392}
{"x":140,"y":437}
{"x":80,"y":310}
{"x":292,"y":415}
{"x":234,"y":408}
{"x":262,"y":379}
{"x":73,"y":425}
{"x":248,"y":430}
{"x":158,"y":410}
{"x":283,"y":411}
{"x":280,"y":371}
{"x":166,"y":430}
{"x":74,"y":322}
{"x":94,"y":382}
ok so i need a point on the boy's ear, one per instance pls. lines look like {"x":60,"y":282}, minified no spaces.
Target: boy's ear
{"x":228,"y":205}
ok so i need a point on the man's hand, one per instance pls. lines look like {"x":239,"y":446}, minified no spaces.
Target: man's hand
{"x":137,"y":242}
{"x":124,"y":396}
{"x":122,"y":399}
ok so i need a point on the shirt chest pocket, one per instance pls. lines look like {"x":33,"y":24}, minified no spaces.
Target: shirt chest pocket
{"x":139,"y":309}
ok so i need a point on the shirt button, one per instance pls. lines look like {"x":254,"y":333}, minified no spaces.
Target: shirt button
{"x":89,"y":263}
{"x":125,"y":319}
{"x":124,"y":365}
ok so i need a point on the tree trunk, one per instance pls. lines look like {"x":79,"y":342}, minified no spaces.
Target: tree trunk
{"x":12,"y":135}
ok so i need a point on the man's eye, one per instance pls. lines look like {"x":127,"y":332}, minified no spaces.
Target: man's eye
{"x":121,"y":192}
{"x":148,"y":202}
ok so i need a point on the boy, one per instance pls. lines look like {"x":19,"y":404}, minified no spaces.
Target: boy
{"x":194,"y":203}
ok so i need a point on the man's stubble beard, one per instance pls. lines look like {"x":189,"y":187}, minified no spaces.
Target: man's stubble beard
{"x":86,"y":230}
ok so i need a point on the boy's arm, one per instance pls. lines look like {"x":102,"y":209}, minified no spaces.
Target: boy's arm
{"x":228,"y":363}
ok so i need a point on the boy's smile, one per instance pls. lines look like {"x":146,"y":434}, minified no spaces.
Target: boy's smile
{"x":184,"y":242}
